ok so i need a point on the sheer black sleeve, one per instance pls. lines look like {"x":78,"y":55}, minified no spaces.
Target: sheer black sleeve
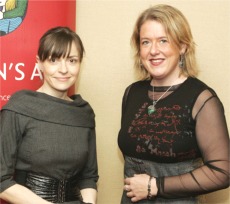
{"x":213,"y":140}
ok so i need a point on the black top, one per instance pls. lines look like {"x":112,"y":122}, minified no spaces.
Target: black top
{"x":49,"y":136}
{"x":188,"y":123}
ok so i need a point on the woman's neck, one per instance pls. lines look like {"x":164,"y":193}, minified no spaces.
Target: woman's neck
{"x":58,"y":94}
{"x":168,"y":82}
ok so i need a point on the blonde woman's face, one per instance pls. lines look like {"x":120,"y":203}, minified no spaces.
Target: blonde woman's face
{"x":159,"y":56}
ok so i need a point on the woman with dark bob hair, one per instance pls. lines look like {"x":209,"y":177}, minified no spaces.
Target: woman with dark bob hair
{"x":173,"y":134}
{"x":48,"y":141}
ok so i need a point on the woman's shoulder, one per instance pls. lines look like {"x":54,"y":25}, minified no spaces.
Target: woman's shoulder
{"x":199,"y":85}
{"x":139,"y":84}
{"x":78,"y":99}
{"x":43,"y":107}
{"x":18,"y":97}
{"x":22,"y":93}
{"x":196,"y":82}
{"x":136,"y":88}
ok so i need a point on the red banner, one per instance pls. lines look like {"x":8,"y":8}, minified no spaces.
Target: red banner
{"x":21,"y":26}
{"x":22,"y":23}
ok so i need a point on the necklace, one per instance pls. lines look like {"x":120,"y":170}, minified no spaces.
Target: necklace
{"x":151,"y":108}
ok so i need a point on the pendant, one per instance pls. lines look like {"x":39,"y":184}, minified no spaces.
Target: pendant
{"x":151,"y":109}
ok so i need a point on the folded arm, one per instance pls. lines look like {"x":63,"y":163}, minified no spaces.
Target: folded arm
{"x":213,"y":140}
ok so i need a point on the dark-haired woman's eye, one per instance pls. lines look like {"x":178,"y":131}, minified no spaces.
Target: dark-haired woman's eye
{"x":53,"y":59}
{"x":73,"y":61}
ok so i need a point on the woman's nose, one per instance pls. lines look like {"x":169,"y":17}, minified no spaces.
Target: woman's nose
{"x":154,"y":49}
{"x":63,"y":67}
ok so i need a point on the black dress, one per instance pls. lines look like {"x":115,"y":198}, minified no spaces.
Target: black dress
{"x":188,"y":154}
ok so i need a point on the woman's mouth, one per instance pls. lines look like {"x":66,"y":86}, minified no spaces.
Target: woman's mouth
{"x":156,"y":62}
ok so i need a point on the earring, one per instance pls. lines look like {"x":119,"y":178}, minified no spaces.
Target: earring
{"x":140,"y":63}
{"x":181,"y":61}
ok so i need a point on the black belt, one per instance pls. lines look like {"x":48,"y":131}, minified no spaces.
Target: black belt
{"x":48,"y":188}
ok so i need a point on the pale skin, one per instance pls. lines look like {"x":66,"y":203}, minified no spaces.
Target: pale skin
{"x":136,"y":187}
{"x":160,"y":58}
{"x":59,"y":75}
{"x":18,"y":194}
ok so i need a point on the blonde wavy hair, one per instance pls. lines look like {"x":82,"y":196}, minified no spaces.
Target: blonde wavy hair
{"x":178,"y":31}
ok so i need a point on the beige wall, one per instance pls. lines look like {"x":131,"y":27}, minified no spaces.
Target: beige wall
{"x":105,"y":27}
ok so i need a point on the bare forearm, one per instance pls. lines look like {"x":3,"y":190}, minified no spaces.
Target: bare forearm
{"x":18,"y":194}
{"x":89,"y":195}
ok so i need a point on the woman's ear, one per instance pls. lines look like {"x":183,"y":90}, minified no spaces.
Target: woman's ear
{"x":183,"y":49}
{"x":39,"y":63}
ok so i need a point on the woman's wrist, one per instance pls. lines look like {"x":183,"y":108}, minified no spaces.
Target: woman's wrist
{"x":149,"y":195}
{"x":152,"y":188}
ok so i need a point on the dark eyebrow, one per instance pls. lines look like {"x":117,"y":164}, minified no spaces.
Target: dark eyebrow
{"x":73,"y":56}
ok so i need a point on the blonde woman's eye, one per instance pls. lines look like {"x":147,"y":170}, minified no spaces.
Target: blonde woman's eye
{"x":163,"y":41}
{"x":145,"y":42}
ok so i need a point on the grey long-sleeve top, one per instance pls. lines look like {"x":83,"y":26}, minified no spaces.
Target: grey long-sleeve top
{"x":48,"y":135}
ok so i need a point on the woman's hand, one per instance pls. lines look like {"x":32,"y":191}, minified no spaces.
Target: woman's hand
{"x":137,"y":187}
{"x":89,"y":195}
{"x":18,"y":194}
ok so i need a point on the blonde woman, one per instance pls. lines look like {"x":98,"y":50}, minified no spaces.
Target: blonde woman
{"x":173,"y":134}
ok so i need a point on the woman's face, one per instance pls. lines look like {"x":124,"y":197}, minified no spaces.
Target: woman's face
{"x":60,"y":74}
{"x":158,"y":55}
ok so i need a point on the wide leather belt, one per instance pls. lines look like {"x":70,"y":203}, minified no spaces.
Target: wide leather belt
{"x":49,"y":188}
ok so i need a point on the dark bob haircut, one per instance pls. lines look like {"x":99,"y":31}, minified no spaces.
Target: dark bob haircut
{"x":56,"y":43}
